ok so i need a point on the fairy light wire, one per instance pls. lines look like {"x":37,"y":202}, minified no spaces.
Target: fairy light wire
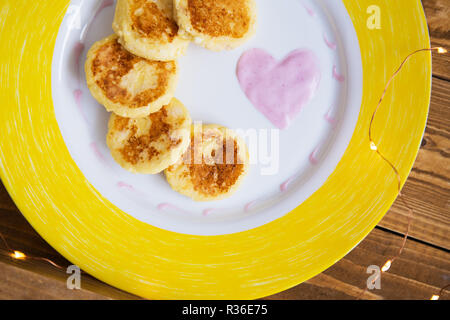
{"x":374,"y":147}
{"x":441,"y":292}
{"x":5,"y":242}
{"x":18,"y":255}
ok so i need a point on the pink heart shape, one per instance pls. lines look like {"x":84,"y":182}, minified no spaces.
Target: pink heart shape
{"x":279,"y":90}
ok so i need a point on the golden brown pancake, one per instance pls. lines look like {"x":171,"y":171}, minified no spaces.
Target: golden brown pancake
{"x":151,"y":144}
{"x":213,"y":166}
{"x":216,"y":24}
{"x":126,"y":84}
{"x":147,"y":29}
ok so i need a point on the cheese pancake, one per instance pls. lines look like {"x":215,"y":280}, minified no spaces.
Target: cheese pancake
{"x":213,"y":167}
{"x":147,"y":29}
{"x":128,"y":85}
{"x":216,"y":24}
{"x":151,"y":144}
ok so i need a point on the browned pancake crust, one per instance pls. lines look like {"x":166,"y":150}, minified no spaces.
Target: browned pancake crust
{"x":217,"y":174}
{"x":137,"y":146}
{"x":112,"y":62}
{"x":151,"y":22}
{"x":218,"y":18}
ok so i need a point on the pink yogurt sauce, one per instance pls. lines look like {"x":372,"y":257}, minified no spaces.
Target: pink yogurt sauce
{"x":279,"y":90}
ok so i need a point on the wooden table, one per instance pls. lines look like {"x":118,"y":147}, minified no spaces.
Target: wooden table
{"x":420,"y":272}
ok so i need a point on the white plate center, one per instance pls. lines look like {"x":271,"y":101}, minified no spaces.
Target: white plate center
{"x":288,"y":165}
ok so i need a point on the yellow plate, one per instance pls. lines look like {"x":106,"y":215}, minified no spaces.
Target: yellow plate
{"x":76,"y":220}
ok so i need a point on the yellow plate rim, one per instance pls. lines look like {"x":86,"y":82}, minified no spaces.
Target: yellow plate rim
{"x":136,"y":257}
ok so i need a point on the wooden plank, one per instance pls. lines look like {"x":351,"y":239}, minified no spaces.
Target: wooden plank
{"x":22,"y":237}
{"x":17,"y":283}
{"x":5,"y":200}
{"x":437,"y":12}
{"x":427,"y":189}
{"x":32,"y":279}
{"x":419,"y":273}
{"x":43,"y":281}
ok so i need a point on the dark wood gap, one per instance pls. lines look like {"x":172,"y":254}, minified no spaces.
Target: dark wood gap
{"x":441,"y":77}
{"x":411,"y":238}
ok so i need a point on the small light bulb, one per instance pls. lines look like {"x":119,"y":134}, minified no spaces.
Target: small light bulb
{"x":442,"y":50}
{"x":373,"y":146}
{"x":386,"y":266}
{"x":18,"y":255}
{"x":434,"y":297}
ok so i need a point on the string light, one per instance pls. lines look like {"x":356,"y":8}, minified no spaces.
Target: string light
{"x":18,"y":255}
{"x":386,"y":266}
{"x":375,"y":148}
{"x":5,"y":242}
{"x":437,"y":296}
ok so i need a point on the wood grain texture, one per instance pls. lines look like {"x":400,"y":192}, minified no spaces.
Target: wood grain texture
{"x":427,"y":189}
{"x":421,"y":271}
{"x":32,"y":279}
{"x":437,"y":12}
{"x":18,"y":283}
